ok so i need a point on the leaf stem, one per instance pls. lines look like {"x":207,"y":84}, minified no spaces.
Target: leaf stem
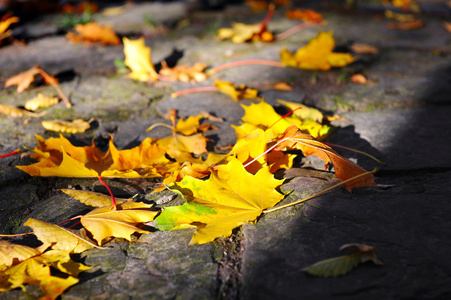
{"x":159,"y":124}
{"x":320,"y":193}
{"x":268,"y":16}
{"x":114,"y":207}
{"x":11,"y":153}
{"x":50,"y":80}
{"x":17,"y":234}
{"x":194,"y":90}
{"x":357,"y":151}
{"x":286,"y":115}
{"x":265,"y":62}
{"x":293,"y":30}
{"x":267,"y":150}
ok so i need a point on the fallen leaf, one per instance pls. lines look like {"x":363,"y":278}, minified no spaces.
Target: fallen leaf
{"x":362,"y":48}
{"x":92,"y":198}
{"x":317,"y":55}
{"x":58,"y":157}
{"x":94,"y":33}
{"x":447,"y":26}
{"x":307,"y":15}
{"x":406,"y":25}
{"x":76,"y":126}
{"x":403,"y":18}
{"x":282,"y":86}
{"x":302,"y":111}
{"x":343,"y":264}
{"x":236,"y":92}
{"x":345,"y":169}
{"x":81,"y":7}
{"x":60,"y":238}
{"x":248,"y":148}
{"x":184,"y":73}
{"x":105,"y":222}
{"x":15,"y":111}
{"x":359,"y":79}
{"x":13,"y":253}
{"x":228,"y":199}
{"x":24,"y":79}
{"x":138,"y":59}
{"x":40,"y":101}
{"x":5,"y":22}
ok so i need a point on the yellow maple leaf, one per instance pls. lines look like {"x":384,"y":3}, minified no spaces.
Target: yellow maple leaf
{"x":12,"y":253}
{"x":228,"y":199}
{"x":92,"y":198}
{"x":253,"y":145}
{"x":138,"y":59}
{"x":316,"y":55}
{"x":36,"y":270}
{"x":94,"y":32}
{"x":105,"y":222}
{"x":60,"y":238}
{"x":236,"y":92}
{"x":240,"y":33}
{"x":15,"y":111}
{"x":58,"y":157}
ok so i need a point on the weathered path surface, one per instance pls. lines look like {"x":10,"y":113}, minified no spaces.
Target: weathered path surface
{"x":401,"y":116}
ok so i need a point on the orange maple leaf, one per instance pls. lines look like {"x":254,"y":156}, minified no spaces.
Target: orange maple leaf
{"x":293,"y":138}
{"x":94,"y":33}
{"x":305,"y":15}
{"x":5,"y":22}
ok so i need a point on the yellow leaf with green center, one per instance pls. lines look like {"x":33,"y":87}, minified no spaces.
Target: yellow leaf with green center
{"x":317,"y":55}
{"x":229,"y":198}
{"x":138,"y":59}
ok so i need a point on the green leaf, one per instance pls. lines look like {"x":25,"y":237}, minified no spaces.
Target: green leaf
{"x":334,"y":266}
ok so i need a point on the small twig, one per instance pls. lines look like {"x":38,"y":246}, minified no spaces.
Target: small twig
{"x":194,"y":90}
{"x":284,"y":116}
{"x":320,"y":193}
{"x":294,"y":29}
{"x":50,"y":80}
{"x":265,"y":62}
{"x":114,"y":207}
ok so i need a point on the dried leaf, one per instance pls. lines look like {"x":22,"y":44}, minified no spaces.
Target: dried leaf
{"x":74,"y":241}
{"x":359,"y":79}
{"x":317,"y":55}
{"x":94,"y":33}
{"x":345,"y":169}
{"x":343,"y":264}
{"x":105,"y":222}
{"x":138,"y":59}
{"x":185,"y":73}
{"x":40,"y":101}
{"x":403,"y":18}
{"x":24,"y":79}
{"x":228,"y":199}
{"x":76,"y":126}
{"x":362,"y":48}
{"x":236,"y":92}
{"x":5,"y":22}
{"x":406,"y":25}
{"x":12,"y":253}
{"x":15,"y":112}
{"x":307,"y":15}
{"x":282,"y":86}
{"x":447,"y":26}
{"x":92,"y":198}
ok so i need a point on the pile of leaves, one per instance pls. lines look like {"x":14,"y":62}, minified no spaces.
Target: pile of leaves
{"x":221,"y":191}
